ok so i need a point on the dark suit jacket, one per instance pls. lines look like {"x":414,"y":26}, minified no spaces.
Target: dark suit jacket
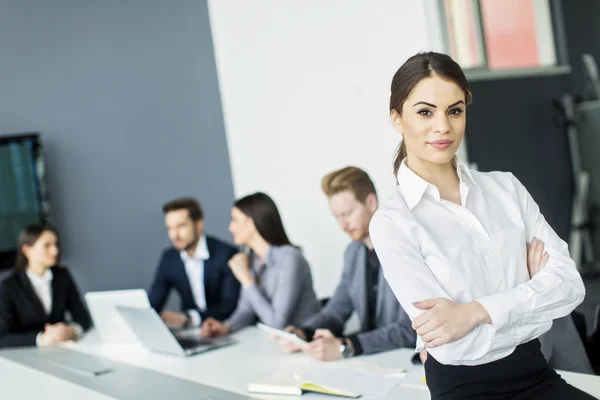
{"x":22,"y":315}
{"x":221,"y":288}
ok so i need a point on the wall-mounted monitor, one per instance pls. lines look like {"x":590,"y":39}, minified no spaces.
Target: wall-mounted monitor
{"x":23,"y":190}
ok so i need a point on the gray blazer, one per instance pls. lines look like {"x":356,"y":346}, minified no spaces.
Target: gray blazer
{"x":283,"y":294}
{"x":394,"y":328}
{"x":563,"y":349}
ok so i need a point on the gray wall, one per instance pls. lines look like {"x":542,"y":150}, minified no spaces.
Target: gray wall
{"x":126,"y":97}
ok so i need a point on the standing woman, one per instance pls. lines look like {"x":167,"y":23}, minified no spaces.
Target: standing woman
{"x":38,"y":293}
{"x":277,"y":286}
{"x":453,"y":246}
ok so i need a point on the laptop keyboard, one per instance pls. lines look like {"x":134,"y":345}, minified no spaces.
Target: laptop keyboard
{"x":190,"y":343}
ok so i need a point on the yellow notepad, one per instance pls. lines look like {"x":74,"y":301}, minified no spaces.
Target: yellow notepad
{"x":306,"y":387}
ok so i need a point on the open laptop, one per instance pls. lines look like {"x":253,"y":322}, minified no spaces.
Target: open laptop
{"x":109,"y":323}
{"x":155,"y":335}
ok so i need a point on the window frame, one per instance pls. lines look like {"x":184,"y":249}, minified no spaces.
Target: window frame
{"x":482,"y":73}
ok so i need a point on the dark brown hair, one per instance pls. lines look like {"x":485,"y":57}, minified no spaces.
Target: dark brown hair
{"x":27,"y":237}
{"x":185,"y":203}
{"x":265,"y":215}
{"x":415,"y":69}
{"x":352,"y":179}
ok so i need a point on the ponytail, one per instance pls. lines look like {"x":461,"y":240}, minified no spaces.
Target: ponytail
{"x":400,"y":155}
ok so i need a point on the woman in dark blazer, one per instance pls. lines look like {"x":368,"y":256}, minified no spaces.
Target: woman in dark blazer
{"x":36,"y":295}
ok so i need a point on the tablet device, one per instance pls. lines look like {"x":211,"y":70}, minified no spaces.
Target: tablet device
{"x":282,"y":334}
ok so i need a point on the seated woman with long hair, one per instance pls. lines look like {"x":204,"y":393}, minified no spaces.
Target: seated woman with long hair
{"x":277,"y":286}
{"x":35,"y":297}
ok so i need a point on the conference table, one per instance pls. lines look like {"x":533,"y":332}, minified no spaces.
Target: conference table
{"x":253,"y":358}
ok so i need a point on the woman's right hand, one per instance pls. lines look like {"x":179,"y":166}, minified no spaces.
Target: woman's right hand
{"x":536,"y":257}
{"x":56,"y":333}
{"x":212,"y":328}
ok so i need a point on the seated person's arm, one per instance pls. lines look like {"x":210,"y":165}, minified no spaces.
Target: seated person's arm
{"x":75,"y":306}
{"x":243,"y":315}
{"x":159,"y":290}
{"x":277,"y":311}
{"x":336,"y":312}
{"x":9,"y":338}
{"x":229,"y":291}
{"x":392,"y":336}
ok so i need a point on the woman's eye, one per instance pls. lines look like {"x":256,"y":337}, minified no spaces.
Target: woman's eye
{"x":425,"y":113}
{"x":455,"y":111}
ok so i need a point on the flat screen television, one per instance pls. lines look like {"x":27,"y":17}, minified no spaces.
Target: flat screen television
{"x":23,"y":190}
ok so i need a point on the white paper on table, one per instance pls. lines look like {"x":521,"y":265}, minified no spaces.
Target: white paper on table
{"x":415,"y":379}
{"x":369,"y":367}
{"x":351,"y":379}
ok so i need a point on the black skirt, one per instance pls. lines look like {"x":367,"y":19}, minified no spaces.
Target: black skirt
{"x":523,"y":375}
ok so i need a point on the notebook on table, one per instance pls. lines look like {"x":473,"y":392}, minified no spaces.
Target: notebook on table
{"x":347,"y":379}
{"x":297,"y":390}
{"x":282,"y":334}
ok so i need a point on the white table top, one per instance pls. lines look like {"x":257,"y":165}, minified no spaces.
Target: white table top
{"x":19,"y":381}
{"x":254,"y":358}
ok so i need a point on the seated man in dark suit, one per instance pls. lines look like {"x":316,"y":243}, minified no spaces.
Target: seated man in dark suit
{"x":384,"y":325}
{"x":196,"y":267}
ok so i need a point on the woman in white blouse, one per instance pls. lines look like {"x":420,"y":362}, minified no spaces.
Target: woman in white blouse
{"x":452,"y":244}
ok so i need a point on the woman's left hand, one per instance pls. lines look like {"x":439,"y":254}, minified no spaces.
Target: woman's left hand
{"x":240,"y":266}
{"x":445,"y":321}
